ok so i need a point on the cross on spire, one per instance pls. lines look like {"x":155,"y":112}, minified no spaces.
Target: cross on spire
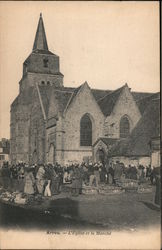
{"x":40,"y":42}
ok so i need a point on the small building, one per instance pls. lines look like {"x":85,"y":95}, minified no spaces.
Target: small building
{"x":4,"y":151}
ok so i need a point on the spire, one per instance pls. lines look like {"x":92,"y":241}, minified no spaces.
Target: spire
{"x":40,"y":42}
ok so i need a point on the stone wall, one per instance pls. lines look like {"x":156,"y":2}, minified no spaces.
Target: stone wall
{"x":19,"y":128}
{"x":83,"y":103}
{"x":42,"y":79}
{"x":124,"y":106}
{"x":35,"y":63}
{"x":37,"y":132}
{"x":27,"y":128}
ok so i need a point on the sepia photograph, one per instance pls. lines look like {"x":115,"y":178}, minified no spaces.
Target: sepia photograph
{"x":80,"y":125}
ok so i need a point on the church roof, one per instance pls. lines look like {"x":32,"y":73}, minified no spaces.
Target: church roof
{"x":147,"y":127}
{"x":144,"y":102}
{"x":108,"y":102}
{"x":74,"y":94}
{"x":99,"y":93}
{"x":63,"y":98}
{"x":40,"y":42}
{"x":62,"y":95}
{"x":140,"y":95}
{"x":105,"y":98}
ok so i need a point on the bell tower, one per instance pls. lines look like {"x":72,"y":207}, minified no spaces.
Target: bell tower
{"x":41,"y":66}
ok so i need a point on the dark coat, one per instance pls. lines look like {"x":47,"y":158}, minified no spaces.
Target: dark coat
{"x":76,"y":179}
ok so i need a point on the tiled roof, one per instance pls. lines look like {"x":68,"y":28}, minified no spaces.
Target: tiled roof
{"x":62,"y":96}
{"x":106,"y":98}
{"x":143,"y":103}
{"x":147,"y":127}
{"x":74,"y":94}
{"x":40,"y":42}
{"x":108,"y":102}
{"x":98,"y":93}
{"x":140,"y":95}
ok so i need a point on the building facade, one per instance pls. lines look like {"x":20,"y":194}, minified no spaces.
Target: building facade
{"x":4,"y":151}
{"x":54,"y":123}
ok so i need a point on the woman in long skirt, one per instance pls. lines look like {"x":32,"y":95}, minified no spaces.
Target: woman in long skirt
{"x":29,"y":182}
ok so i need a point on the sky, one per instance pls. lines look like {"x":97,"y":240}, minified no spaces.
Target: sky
{"x":106,"y":44}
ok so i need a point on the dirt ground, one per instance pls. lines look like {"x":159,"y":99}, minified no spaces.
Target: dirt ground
{"x":126,"y":211}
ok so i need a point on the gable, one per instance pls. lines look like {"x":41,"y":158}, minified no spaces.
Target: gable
{"x":83,"y":97}
{"x":138,"y":144}
{"x":126,"y":104}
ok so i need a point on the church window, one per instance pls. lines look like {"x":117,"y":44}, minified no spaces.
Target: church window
{"x":48,"y":83}
{"x":45,"y":63}
{"x":42,"y":82}
{"x":124,"y":127}
{"x":85,"y":131}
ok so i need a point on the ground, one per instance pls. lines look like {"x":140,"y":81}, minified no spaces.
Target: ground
{"x":126,"y":211}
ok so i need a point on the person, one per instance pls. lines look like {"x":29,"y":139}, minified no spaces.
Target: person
{"x":111,"y":174}
{"x":81,"y":178}
{"x":5,"y":177}
{"x":103,"y":173}
{"x":133,"y":173}
{"x":139,"y":173}
{"x":97,"y":174}
{"x":14,"y":180}
{"x":47,"y":176}
{"x":152,"y":176}
{"x":40,"y":179}
{"x":76,"y":181}
{"x":91,"y":174}
{"x":66,"y":176}
{"x":85,"y":174}
{"x":21,"y":178}
{"x":158,"y":185}
{"x":118,"y":171}
{"x":29,"y":182}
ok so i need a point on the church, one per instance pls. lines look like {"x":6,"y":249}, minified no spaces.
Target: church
{"x":50,"y":122}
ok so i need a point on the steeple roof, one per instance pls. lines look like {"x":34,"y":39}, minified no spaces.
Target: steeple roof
{"x":40,"y":42}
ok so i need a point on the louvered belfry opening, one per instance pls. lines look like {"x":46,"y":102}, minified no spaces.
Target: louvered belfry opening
{"x":124,"y":127}
{"x":85,"y":131}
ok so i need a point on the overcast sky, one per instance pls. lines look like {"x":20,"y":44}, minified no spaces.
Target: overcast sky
{"x":104,"y":43}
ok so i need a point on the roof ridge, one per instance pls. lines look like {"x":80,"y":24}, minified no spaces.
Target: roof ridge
{"x":64,"y":91}
{"x":103,"y":89}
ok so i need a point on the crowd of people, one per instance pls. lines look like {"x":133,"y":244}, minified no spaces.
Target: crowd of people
{"x":48,"y":179}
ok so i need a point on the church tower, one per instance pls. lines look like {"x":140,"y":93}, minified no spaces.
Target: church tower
{"x":42,"y":66}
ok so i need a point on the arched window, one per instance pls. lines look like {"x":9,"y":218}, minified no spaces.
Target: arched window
{"x":124,"y":127}
{"x":85,"y":131}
